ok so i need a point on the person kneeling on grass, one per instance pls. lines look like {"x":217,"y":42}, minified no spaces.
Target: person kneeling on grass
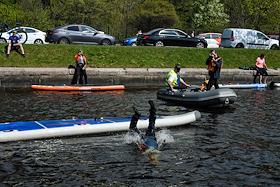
{"x":14,"y":44}
{"x":148,"y":143}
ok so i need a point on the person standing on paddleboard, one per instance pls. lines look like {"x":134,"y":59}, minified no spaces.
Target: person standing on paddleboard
{"x":80,"y":75}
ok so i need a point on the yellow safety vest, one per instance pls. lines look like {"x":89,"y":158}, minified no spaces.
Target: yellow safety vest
{"x":173,"y":74}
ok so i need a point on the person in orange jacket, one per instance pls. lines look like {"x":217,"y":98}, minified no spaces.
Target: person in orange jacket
{"x":80,"y":75}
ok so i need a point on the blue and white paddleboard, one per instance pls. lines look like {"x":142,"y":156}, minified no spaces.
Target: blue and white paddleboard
{"x":27,"y":130}
{"x":243,"y":86}
{"x":253,"y":85}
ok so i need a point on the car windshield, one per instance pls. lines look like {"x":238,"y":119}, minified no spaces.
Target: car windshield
{"x":15,"y":29}
{"x":227,"y":34}
{"x":181,"y":33}
{"x":88,"y":29}
{"x":261,"y":36}
{"x":153,"y":31}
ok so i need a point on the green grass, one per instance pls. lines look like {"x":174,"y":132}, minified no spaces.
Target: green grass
{"x":133,"y":57}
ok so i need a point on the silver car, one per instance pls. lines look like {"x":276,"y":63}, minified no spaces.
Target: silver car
{"x":78,"y":34}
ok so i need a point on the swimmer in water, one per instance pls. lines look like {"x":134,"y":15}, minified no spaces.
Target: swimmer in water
{"x":148,"y":143}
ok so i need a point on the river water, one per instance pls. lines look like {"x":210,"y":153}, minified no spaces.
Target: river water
{"x":236,"y":146}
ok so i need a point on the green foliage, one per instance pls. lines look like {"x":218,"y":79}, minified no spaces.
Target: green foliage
{"x":154,"y":13}
{"x":184,"y":10}
{"x":258,"y":14}
{"x":209,"y":15}
{"x":122,"y":18}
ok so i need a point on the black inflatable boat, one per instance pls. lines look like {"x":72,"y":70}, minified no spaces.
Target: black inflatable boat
{"x":192,"y":97}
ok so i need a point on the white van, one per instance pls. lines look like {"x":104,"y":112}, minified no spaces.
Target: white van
{"x":247,"y":38}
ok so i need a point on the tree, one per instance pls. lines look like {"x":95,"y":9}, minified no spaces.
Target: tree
{"x":154,"y":13}
{"x":184,"y":10}
{"x":257,"y":14}
{"x":209,"y":15}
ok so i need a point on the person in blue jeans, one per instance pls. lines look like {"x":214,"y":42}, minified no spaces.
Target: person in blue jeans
{"x":14,"y":44}
{"x":148,"y":143}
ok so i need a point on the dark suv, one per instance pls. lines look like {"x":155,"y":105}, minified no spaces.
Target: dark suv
{"x":169,"y":37}
{"x":78,"y":34}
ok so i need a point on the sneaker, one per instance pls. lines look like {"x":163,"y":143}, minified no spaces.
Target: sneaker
{"x":7,"y":55}
{"x":23,"y":55}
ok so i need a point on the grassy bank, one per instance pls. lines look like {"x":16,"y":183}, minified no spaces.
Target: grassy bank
{"x":135,"y":57}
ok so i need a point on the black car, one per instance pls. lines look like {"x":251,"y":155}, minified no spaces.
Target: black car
{"x":170,"y":37}
{"x":79,"y":34}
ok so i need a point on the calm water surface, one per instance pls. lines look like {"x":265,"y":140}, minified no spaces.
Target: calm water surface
{"x":238,"y":146}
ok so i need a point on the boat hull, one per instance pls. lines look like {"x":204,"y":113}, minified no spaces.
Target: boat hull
{"x":28,"y":130}
{"x":213,"y":98}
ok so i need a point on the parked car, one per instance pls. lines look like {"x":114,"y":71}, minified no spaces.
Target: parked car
{"x":169,"y":37}
{"x":130,"y":41}
{"x":213,"y":39}
{"x":34,"y":36}
{"x":78,"y":34}
{"x":247,"y":38}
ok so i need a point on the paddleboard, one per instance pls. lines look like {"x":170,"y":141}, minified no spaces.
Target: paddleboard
{"x":77,"y":88}
{"x":247,"y":86}
{"x":28,"y":130}
{"x":242,"y":86}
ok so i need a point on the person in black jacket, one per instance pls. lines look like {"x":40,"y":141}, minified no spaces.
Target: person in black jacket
{"x":214,"y":63}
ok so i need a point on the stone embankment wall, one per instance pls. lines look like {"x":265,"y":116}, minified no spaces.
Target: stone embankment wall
{"x":24,"y":77}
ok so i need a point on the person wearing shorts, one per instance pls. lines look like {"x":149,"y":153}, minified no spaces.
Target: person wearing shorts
{"x":261,"y":68}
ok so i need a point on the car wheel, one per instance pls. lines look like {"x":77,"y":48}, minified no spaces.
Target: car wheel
{"x":200,"y":45}
{"x":105,"y":42}
{"x":240,"y":45}
{"x":159,"y":44}
{"x":38,"y":41}
{"x":133,"y":44}
{"x":63,"y":41}
{"x":274,"y":47}
{"x":3,"y":40}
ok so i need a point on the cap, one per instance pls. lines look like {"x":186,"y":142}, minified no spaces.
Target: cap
{"x":80,"y":51}
{"x":206,"y":81}
{"x":177,"y":66}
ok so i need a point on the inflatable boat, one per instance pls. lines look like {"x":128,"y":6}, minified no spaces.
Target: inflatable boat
{"x":77,"y":88}
{"x":248,"y":86}
{"x":192,"y":97}
{"x":27,"y":130}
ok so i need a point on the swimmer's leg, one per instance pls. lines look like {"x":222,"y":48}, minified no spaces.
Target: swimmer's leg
{"x":134,"y":120}
{"x":152,"y":119}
